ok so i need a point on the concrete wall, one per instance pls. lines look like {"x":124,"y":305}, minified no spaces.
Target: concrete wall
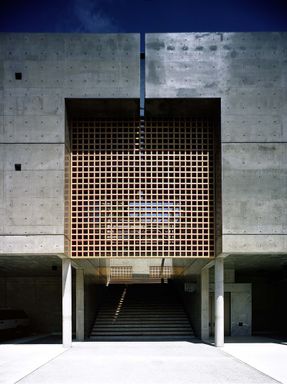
{"x":39,"y":297}
{"x":245,"y":70}
{"x":32,"y":123}
{"x":241,"y":321}
{"x":248,"y":72}
{"x":191,"y":301}
{"x":240,"y":308}
{"x":269,"y":313}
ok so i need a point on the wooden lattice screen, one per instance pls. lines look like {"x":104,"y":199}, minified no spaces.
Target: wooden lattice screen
{"x":142,"y":190}
{"x":156,"y":272}
{"x":121,"y":272}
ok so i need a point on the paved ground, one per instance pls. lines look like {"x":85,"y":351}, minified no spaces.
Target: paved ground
{"x":128,"y":363}
{"x":18,"y":360}
{"x":266,"y":355}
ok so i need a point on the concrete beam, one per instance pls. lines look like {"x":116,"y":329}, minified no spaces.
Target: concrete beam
{"x":209,"y":265}
{"x":67,"y":303}
{"x":41,"y":244}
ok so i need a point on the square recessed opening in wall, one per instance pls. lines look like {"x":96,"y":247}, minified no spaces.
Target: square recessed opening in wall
{"x":17,"y":167}
{"x":18,"y":75}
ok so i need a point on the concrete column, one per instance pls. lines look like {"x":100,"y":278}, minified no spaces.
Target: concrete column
{"x":80,"y":316}
{"x":205,"y":304}
{"x":67,"y":302}
{"x":219,"y":302}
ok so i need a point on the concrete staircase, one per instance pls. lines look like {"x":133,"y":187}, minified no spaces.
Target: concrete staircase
{"x":141,"y":312}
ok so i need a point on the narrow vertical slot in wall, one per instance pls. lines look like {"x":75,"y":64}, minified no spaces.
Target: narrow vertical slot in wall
{"x":142,"y":76}
{"x":142,"y":97}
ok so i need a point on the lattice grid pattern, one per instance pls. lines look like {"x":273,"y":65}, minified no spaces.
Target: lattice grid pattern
{"x":120,"y":272}
{"x":156,"y":272}
{"x":142,"y":190}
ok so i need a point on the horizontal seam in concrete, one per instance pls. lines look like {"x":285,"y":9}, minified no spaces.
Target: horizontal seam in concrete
{"x":254,"y":234}
{"x":12,"y":170}
{"x":33,"y":115}
{"x":62,"y":142}
{"x":32,"y":234}
{"x":9,"y":117}
{"x":33,"y":142}
{"x":254,"y":142}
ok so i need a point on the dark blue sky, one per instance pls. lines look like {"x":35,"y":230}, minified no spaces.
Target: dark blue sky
{"x":142,"y":15}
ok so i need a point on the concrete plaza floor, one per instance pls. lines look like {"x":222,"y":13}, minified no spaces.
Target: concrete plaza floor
{"x":264,"y":354}
{"x":144,"y":363}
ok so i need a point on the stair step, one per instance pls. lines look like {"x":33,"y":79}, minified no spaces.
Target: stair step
{"x":148,"y":323}
{"x":129,"y":315}
{"x":143,"y":333}
{"x":134,"y":326}
{"x":145,"y":311}
{"x":142,"y":317}
{"x":142,"y":308}
{"x":149,"y":313}
{"x":169,"y":319}
{"x":143,"y":338}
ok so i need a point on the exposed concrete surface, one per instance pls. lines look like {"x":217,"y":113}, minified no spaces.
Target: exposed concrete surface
{"x":54,"y":68}
{"x":36,"y":295}
{"x":247,"y":71}
{"x":267,"y":355}
{"x":127,"y":362}
{"x":240,"y":309}
{"x":17,"y":361}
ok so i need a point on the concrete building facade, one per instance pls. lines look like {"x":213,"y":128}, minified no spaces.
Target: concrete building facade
{"x":238,"y":80}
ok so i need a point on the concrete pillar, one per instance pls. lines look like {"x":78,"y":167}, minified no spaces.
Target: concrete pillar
{"x":205,"y":304}
{"x":80,"y":316}
{"x":67,"y":302}
{"x":219,"y":302}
